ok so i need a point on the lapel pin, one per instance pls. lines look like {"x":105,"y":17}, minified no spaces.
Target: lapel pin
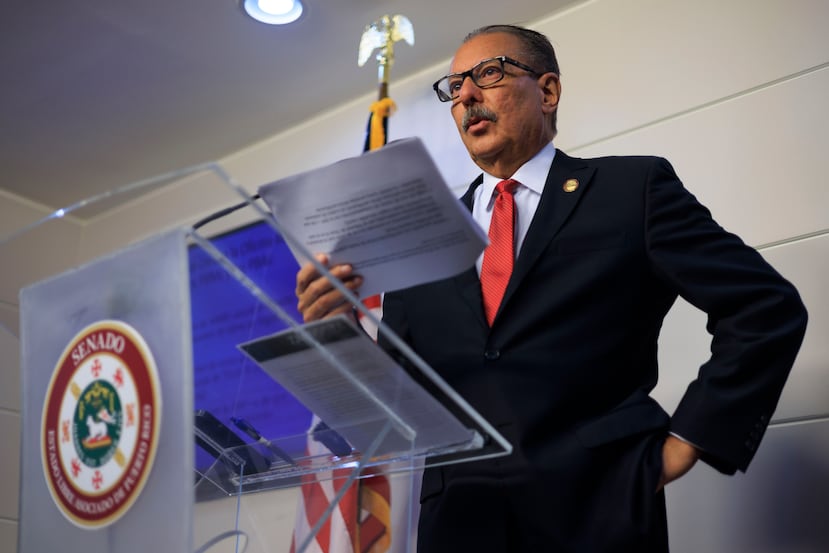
{"x":570,"y":185}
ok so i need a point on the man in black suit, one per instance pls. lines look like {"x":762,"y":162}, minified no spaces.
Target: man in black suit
{"x":564,"y":363}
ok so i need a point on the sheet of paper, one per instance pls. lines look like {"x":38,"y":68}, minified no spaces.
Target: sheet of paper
{"x":356,"y":396}
{"x":387,"y":212}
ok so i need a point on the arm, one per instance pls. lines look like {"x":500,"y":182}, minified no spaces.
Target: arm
{"x":678,"y":457}
{"x":755,"y":317}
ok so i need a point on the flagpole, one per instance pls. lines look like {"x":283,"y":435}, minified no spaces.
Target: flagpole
{"x":381,"y":35}
{"x":374,"y":533}
{"x":364,"y":505}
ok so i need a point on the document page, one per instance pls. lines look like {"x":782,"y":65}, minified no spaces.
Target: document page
{"x":387,"y":212}
{"x":356,"y":395}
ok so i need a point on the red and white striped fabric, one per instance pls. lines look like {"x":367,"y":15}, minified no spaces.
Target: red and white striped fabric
{"x":374,"y":304}
{"x":361,"y":522}
{"x":339,"y":533}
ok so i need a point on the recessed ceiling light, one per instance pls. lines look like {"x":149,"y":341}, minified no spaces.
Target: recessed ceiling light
{"x":273,"y":12}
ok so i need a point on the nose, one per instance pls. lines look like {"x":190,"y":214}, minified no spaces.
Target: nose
{"x":469,"y":92}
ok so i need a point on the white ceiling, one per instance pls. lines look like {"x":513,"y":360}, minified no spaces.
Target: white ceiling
{"x":98,"y":93}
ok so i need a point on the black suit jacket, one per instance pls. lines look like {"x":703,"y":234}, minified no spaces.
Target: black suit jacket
{"x":572,"y":353}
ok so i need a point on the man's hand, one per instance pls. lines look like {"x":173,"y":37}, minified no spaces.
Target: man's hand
{"x":677,"y":458}
{"x":318,"y":299}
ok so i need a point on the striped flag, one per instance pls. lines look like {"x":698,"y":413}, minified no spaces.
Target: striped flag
{"x":339,"y":532}
{"x":376,"y":137}
{"x":362,"y":520}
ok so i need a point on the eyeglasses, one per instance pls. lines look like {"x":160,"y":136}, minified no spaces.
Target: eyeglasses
{"x":485,"y":74}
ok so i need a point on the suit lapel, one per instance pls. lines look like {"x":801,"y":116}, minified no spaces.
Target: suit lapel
{"x":557,"y":203}
{"x":467,"y":197}
{"x":555,"y":207}
{"x":468,"y":283}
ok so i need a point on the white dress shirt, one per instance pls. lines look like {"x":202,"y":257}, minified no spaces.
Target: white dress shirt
{"x":532,"y":176}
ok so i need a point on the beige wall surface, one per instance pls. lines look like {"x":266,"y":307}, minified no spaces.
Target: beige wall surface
{"x":733,"y":93}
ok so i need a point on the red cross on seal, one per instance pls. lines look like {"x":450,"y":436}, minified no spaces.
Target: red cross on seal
{"x":96,"y":368}
{"x":97,"y":480}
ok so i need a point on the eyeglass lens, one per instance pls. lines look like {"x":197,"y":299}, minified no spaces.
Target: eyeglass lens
{"x":486,"y":73}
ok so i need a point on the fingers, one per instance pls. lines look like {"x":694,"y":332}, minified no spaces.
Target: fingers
{"x":317,"y":297}
{"x":308,"y":273}
{"x":321,"y":300}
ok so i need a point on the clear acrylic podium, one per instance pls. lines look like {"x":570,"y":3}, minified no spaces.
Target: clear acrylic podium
{"x":242,"y":407}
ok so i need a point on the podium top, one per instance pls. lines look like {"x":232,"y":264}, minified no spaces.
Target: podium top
{"x":239,"y":287}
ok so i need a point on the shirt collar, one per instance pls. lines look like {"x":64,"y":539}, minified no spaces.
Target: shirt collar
{"x":533,"y":174}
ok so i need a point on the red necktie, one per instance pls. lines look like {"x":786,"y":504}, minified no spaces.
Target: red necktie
{"x":500,"y":254}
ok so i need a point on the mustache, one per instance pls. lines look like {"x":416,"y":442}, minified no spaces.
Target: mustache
{"x":477,"y":111}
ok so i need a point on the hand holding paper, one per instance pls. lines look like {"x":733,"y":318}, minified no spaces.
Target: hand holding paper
{"x":388,"y":214}
{"x":318,"y":298}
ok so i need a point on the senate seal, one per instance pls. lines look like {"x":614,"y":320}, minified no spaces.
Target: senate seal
{"x":101,"y":421}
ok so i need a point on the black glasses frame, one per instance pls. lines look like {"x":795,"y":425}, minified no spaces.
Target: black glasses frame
{"x":444,"y":97}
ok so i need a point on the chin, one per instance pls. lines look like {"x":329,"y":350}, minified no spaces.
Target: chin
{"x":483,"y":151}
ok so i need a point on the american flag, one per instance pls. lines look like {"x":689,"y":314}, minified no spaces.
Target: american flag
{"x":362,"y":520}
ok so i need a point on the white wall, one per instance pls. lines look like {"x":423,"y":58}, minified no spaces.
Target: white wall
{"x":732,"y":93}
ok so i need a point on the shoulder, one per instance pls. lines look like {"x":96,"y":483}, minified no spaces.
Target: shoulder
{"x":642,"y":170}
{"x":633,"y":162}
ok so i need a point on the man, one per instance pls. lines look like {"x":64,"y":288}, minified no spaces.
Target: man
{"x":563,"y":364}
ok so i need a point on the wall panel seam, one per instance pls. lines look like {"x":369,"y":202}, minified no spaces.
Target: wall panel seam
{"x":703,"y":106}
{"x":796,"y":421}
{"x":785,"y":241}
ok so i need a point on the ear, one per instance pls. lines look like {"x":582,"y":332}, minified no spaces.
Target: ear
{"x":550,"y":88}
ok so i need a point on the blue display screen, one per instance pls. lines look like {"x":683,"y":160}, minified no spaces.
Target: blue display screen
{"x":225,"y":314}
